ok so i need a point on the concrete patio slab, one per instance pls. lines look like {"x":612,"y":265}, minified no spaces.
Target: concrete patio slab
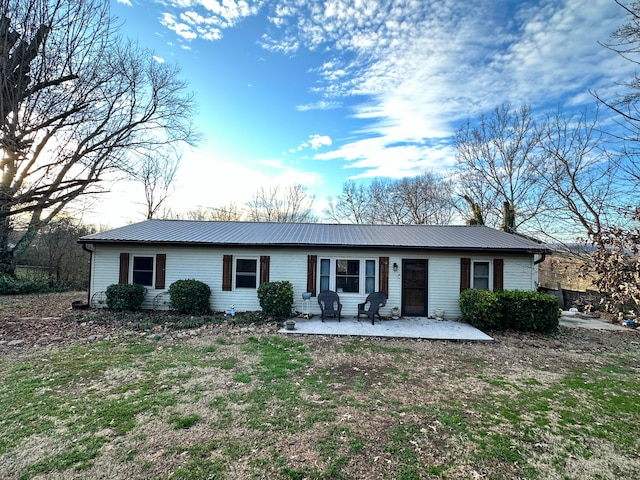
{"x":573,"y":320}
{"x":408,"y":327}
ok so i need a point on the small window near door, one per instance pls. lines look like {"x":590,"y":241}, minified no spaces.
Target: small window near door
{"x":143,"y":271}
{"x":246,"y":273}
{"x":481,"y":275}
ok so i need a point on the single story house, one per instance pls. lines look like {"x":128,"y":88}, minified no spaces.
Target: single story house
{"x":421,"y":268}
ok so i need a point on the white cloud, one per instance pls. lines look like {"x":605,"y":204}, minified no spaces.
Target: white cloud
{"x":206,"y":19}
{"x":125,"y":2}
{"x":158,"y":59}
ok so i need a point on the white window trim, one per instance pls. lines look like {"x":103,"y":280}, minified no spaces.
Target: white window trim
{"x":235,"y":275}
{"x":362,"y":283}
{"x":490,"y":279}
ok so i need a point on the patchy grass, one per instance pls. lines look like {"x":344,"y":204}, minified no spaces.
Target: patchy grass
{"x":276,"y":407}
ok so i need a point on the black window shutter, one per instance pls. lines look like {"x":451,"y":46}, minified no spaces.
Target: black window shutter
{"x":265,"y":262}
{"x":161,"y":265}
{"x":124,"y":268}
{"x":227,"y":272}
{"x":312,"y":271}
{"x":465,"y":273}
{"x":498,"y":274}
{"x":383,"y":281}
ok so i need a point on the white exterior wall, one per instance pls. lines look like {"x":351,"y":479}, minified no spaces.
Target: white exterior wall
{"x":205,"y":264}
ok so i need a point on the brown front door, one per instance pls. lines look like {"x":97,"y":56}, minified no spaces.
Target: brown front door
{"x":414,"y":288}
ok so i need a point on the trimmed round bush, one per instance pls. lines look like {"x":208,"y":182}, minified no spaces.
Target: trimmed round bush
{"x":276,"y":298}
{"x":190,"y":296}
{"x":125,"y":296}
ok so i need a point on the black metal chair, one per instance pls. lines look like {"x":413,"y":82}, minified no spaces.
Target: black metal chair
{"x":330,"y":305}
{"x":375,"y":300}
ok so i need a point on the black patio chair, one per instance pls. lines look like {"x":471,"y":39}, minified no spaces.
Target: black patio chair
{"x":375,"y":301}
{"x":330,"y":305}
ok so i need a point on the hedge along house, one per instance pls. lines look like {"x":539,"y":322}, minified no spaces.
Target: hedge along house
{"x":421,"y":268}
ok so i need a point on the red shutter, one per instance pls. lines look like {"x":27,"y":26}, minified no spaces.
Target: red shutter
{"x":498,"y":274}
{"x":465,"y":273}
{"x":161,"y":265}
{"x":312,"y":271}
{"x":265,"y":261}
{"x":227,"y":272}
{"x":383,"y":280}
{"x":124,"y":268}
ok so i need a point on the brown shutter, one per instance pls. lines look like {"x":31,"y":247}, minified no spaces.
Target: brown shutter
{"x":227,"y":272}
{"x":498,"y":274}
{"x":265,"y":261}
{"x":312,"y":271}
{"x":465,"y":273}
{"x":124,"y":268}
{"x":383,"y":281}
{"x":161,"y":265}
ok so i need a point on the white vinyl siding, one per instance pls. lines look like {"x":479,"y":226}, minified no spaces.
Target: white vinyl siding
{"x":205,"y":264}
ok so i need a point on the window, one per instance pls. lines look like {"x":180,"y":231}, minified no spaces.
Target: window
{"x":325,"y":274}
{"x":481,"y":275}
{"x":246,"y":273}
{"x":143,"y":271}
{"x":370,"y":277}
{"x":347,"y":275}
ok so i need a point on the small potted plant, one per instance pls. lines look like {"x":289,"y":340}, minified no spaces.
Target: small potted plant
{"x":395,"y":313}
{"x":290,"y":324}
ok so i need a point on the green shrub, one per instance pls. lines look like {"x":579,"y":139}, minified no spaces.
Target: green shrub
{"x":529,"y":311}
{"x":25,"y":282}
{"x":276,"y":298}
{"x":510,"y":309}
{"x":481,"y":309}
{"x":125,"y":296}
{"x":190,"y":296}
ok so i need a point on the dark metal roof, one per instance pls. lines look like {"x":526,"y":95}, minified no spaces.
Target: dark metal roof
{"x":431,"y":237}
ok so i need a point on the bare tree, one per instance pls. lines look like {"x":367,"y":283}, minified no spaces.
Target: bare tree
{"x":584,"y":196}
{"x":625,"y":41}
{"x":424,"y":199}
{"x":291,"y":204}
{"x":157,"y":172}
{"x":353,"y":205}
{"x":229,"y":212}
{"x":77,"y":102}
{"x":428,"y":199}
{"x":499,"y":160}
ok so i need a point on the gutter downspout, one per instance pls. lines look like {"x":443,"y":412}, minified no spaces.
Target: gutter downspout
{"x":541,"y":259}
{"x":84,"y":247}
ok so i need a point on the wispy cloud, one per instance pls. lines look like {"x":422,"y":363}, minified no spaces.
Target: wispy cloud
{"x":412,"y":70}
{"x":425,"y":65}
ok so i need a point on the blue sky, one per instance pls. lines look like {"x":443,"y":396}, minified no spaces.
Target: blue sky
{"x":318,"y":92}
